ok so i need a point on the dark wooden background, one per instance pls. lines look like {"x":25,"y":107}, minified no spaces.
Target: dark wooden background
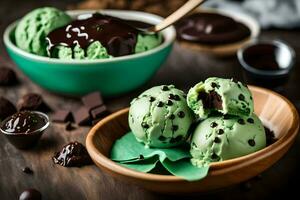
{"x":183,"y":68}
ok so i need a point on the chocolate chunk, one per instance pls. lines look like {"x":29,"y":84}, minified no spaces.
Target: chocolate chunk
{"x":241,"y":97}
{"x":92,"y":100}
{"x":30,"y":194}
{"x":82,"y":116}
{"x":162,"y":138}
{"x":241,"y":121}
{"x":69,"y":126}
{"x":251,"y":142}
{"x":160,"y":104}
{"x":213,"y":125}
{"x":250,"y":120}
{"x":214,"y":85}
{"x":152,"y":99}
{"x":217,"y":140}
{"x":220,"y":131}
{"x":214,"y":156}
{"x":7,"y":76}
{"x":176,"y":97}
{"x":169,"y":102}
{"x":172,"y":116}
{"x":99,"y":112}
{"x":62,"y":116}
{"x":175,"y":127}
{"x":33,"y":101}
{"x":165,"y":88}
{"x":27,"y":170}
{"x":171,"y":96}
{"x":211,"y":100}
{"x":145,"y":125}
{"x":181,"y":114}
{"x":6,"y":108}
{"x":73,"y":154}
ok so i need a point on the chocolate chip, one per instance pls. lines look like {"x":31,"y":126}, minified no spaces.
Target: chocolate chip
{"x":214,"y":156}
{"x":213,"y":125}
{"x":172,"y":116}
{"x":176,"y":97}
{"x":214,"y":85}
{"x":169,"y":102}
{"x":171,"y":96}
{"x":6,"y":108}
{"x":251,"y":142}
{"x":62,"y":116}
{"x":220,"y":131}
{"x":145,"y":125}
{"x":181,"y":114}
{"x":250,"y":120}
{"x":33,"y":101}
{"x":160,"y":104}
{"x":241,"y":97}
{"x":175,"y":128}
{"x":162,"y":138}
{"x":165,"y":88}
{"x":69,"y":126}
{"x":30,"y":194}
{"x":241,"y":121}
{"x":92,"y":100}
{"x":152,"y":99}
{"x":251,"y":97}
{"x":7,"y":77}
{"x":217,"y":140}
{"x":27,"y":170}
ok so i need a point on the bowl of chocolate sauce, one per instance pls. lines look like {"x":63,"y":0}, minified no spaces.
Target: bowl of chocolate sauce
{"x":23,"y":129}
{"x":267,"y":63}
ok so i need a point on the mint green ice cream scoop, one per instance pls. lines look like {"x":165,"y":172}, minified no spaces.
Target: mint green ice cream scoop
{"x":221,"y":138}
{"x":160,"y":117}
{"x":31,"y":31}
{"x":220,"y":95}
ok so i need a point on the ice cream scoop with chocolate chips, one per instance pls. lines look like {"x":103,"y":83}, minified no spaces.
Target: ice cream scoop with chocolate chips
{"x":224,"y":96}
{"x":221,"y":138}
{"x":160,"y":117}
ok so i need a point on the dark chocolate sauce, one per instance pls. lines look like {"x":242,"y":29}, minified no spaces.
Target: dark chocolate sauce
{"x":73,"y":154}
{"x":211,"y":28}
{"x":118,"y":37}
{"x":23,"y":122}
{"x":211,"y":100}
{"x":263,"y":57}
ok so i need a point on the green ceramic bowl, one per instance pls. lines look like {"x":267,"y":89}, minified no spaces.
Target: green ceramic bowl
{"x":110,"y":76}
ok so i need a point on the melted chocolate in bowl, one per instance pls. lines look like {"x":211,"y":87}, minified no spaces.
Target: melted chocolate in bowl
{"x":24,"y":122}
{"x":211,"y":29}
{"x":117,"y":36}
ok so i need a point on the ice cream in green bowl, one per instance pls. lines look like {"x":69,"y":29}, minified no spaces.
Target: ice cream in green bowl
{"x":76,"y":52}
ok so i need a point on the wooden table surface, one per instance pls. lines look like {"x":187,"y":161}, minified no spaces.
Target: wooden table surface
{"x":183,"y":68}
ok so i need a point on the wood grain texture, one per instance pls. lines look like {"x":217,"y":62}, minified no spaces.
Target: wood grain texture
{"x":184,"y":68}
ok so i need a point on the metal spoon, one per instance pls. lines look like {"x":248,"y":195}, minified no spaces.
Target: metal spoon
{"x":171,"y":19}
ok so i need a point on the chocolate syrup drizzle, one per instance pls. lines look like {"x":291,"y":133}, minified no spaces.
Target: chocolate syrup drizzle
{"x":118,"y":37}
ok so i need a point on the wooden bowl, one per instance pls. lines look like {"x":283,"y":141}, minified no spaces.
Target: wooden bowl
{"x":224,"y":50}
{"x":276,"y":112}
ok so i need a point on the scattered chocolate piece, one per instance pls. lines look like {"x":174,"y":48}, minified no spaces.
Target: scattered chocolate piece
{"x":82,"y":116}
{"x":62,"y":116}
{"x":69,"y":126}
{"x":33,"y":101}
{"x":6,"y":108}
{"x":7,"y":76}
{"x":92,"y":100}
{"x":99,"y":112}
{"x":270,"y":136}
{"x":27,"y":170}
{"x":30,"y":194}
{"x":73,"y":154}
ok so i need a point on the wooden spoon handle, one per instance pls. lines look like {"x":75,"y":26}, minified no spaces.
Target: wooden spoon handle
{"x":182,"y":11}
